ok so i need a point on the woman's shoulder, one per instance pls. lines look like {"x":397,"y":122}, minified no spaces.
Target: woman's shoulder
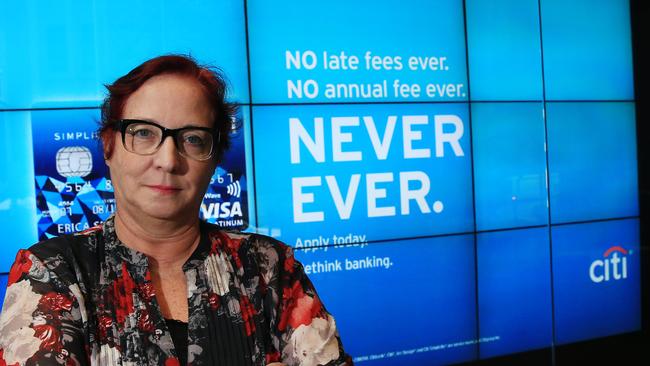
{"x":259,"y":242}
{"x":269,"y":253}
{"x":248,"y":241}
{"x":68,"y":244}
{"x":68,"y":253}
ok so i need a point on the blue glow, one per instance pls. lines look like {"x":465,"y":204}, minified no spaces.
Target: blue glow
{"x":504,"y":52}
{"x":587,"y":50}
{"x":509,"y":165}
{"x":3,"y":288}
{"x":514,"y":290}
{"x":17,"y":202}
{"x":592,"y":161}
{"x":62,"y":52}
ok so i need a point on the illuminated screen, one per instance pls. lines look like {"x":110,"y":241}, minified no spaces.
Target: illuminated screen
{"x":458,"y":178}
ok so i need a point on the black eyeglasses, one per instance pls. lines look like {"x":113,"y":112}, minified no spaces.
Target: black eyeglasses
{"x":145,"y":137}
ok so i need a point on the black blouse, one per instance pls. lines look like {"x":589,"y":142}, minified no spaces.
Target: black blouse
{"x":178,"y":331}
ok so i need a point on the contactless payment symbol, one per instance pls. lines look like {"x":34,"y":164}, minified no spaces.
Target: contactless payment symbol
{"x":234,"y":189}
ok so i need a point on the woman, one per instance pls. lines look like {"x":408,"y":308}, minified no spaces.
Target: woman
{"x":154,"y":285}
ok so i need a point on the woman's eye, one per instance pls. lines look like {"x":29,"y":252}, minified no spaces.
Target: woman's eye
{"x":142,"y":133}
{"x":194,"y":140}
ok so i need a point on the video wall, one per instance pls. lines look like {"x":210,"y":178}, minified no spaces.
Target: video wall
{"x":458,"y":178}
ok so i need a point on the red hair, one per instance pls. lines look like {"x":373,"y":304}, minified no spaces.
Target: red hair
{"x":211,"y":79}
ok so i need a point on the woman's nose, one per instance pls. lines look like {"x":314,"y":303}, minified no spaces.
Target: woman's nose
{"x":167,"y":156}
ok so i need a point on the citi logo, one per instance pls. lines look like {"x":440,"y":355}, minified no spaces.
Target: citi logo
{"x":613,"y":266}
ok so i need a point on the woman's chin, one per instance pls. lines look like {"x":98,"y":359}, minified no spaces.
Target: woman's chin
{"x":165,"y":211}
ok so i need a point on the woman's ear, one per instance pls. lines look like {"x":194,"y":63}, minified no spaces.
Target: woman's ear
{"x":108,"y":143}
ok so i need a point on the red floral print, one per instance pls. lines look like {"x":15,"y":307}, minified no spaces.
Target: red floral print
{"x":247,"y":313}
{"x":144,"y":322}
{"x":104,"y":324}
{"x":123,"y":295}
{"x":232,"y":248}
{"x":172,"y":361}
{"x":299,"y":308}
{"x":49,"y":336}
{"x":289,"y":261}
{"x":213,"y":300}
{"x":273,"y":357}
{"x":21,"y":266}
{"x":55,"y":301}
{"x":147,"y":291}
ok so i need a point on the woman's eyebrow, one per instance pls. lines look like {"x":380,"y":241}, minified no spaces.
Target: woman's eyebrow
{"x":151,"y":120}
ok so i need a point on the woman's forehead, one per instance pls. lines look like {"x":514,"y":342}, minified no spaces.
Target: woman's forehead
{"x":170,"y":98}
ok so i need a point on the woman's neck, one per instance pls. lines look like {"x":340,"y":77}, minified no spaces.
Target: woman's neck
{"x":167,"y":244}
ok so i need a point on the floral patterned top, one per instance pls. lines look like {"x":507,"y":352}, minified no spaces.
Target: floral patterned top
{"x":88,"y":299}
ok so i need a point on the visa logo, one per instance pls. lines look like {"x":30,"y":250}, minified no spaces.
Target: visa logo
{"x":613,"y":266}
{"x":221,"y":210}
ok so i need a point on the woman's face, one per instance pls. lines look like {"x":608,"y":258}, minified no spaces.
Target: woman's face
{"x":164,"y":185}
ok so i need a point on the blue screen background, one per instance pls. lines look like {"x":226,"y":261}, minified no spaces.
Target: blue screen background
{"x":593,"y":173}
{"x":514,"y":290}
{"x":509,"y":165}
{"x":587,"y":50}
{"x":500,"y":261}
{"x":504,"y":50}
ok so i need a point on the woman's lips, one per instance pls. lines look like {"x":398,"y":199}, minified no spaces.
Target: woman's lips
{"x":164,"y":189}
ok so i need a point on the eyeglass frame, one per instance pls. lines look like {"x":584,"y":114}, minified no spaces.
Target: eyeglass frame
{"x":122,"y":125}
